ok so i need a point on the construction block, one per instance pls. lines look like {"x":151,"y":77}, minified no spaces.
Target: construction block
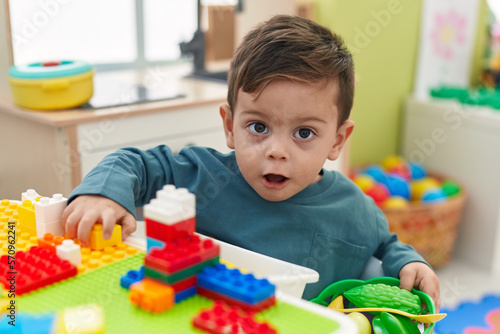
{"x":233,"y":283}
{"x":55,"y":228}
{"x":49,"y":242}
{"x":169,"y":232}
{"x":34,"y":269}
{"x":182,"y":253}
{"x":167,"y":278}
{"x":30,"y":195}
{"x":132,"y":276}
{"x":152,"y":296}
{"x":26,"y":214}
{"x":185,"y":294}
{"x":28,"y":323}
{"x":224,"y":319}
{"x":24,"y":241}
{"x":50,"y":209}
{"x":171,"y":206}
{"x":95,"y":259}
{"x":82,"y":319}
{"x":97,"y":241}
{"x":257,"y":307}
{"x":70,"y":252}
{"x":152,"y":242}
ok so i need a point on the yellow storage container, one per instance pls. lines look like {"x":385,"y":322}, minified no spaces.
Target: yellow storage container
{"x":52,"y":85}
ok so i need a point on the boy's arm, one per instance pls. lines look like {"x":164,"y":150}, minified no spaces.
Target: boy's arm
{"x":402,"y":261}
{"x":123,"y":180}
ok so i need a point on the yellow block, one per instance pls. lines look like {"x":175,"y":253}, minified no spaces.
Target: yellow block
{"x":95,"y":259}
{"x":97,"y":241}
{"x":26,"y":214}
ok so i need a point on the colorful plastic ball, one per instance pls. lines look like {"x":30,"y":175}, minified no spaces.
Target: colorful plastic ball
{"x":402,"y":170}
{"x":391,"y":161}
{"x":362,"y":321}
{"x":397,"y":186}
{"x":417,"y":171}
{"x":434,"y":195}
{"x":418,"y":187}
{"x":375,"y":171}
{"x":364,"y":181}
{"x":450,"y":188}
{"x":378,"y":192}
{"x":395,"y":202}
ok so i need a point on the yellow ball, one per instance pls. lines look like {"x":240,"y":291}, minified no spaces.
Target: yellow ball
{"x":364,"y":181}
{"x":392,"y":161}
{"x":362,"y":322}
{"x":419,"y":187}
{"x":395,"y":202}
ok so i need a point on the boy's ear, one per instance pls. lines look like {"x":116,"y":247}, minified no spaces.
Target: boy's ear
{"x":341,"y":137}
{"x":227,"y":120}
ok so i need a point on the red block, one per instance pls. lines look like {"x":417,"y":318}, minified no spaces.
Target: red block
{"x":172,"y":232}
{"x":260,"y":306}
{"x":34,"y":269}
{"x":223,"y":319}
{"x":181,"y":285}
{"x":182,"y":253}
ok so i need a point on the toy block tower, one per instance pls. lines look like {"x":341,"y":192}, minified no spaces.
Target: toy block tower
{"x":170,"y":215}
{"x":48,"y":212}
{"x":175,"y":255}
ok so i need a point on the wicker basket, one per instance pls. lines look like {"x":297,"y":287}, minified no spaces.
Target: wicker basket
{"x":430,"y":228}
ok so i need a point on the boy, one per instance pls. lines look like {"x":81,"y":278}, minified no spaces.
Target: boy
{"x":291,"y":88}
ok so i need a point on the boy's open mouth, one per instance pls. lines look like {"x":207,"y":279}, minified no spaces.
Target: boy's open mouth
{"x":275,"y":178}
{"x":275,"y":181}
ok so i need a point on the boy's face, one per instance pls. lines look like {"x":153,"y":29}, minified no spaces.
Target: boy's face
{"x":283,"y":138}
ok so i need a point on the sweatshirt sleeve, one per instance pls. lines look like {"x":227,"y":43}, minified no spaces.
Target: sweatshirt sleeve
{"x":393,"y":253}
{"x":130,"y":176}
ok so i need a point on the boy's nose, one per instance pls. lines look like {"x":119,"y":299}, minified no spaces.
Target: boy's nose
{"x":277,"y":149}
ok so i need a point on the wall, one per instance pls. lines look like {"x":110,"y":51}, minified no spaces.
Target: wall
{"x":383,"y":37}
{"x":5,"y":51}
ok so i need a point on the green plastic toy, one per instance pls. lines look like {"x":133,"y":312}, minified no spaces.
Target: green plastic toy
{"x":382,"y":292}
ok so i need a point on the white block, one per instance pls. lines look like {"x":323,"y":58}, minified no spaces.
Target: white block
{"x":54,"y":227}
{"x":70,"y":251}
{"x":29,"y":194}
{"x":83,"y":319}
{"x":171,"y":205}
{"x":49,"y":209}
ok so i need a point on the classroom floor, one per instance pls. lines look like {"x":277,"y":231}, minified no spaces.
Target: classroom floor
{"x":461,"y":281}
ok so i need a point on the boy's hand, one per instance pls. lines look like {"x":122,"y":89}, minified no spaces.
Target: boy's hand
{"x":87,"y":210}
{"x":422,"y":277}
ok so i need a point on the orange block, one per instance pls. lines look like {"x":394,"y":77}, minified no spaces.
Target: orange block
{"x":50,"y":242}
{"x":97,"y":241}
{"x":152,"y":296}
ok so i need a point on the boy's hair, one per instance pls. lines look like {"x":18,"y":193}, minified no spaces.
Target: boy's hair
{"x":293,"y":48}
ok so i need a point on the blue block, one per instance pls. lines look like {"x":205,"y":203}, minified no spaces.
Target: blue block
{"x":26,"y":323}
{"x":185,"y":294}
{"x":152,"y":242}
{"x":232,"y":283}
{"x":132,"y":276}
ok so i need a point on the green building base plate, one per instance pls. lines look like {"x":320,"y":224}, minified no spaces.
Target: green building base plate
{"x":102,"y":286}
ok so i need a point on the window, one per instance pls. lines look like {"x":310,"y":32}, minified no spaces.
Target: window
{"x":110,"y":34}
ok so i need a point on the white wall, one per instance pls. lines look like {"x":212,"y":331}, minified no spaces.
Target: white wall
{"x":5,"y":52}
{"x":257,"y":11}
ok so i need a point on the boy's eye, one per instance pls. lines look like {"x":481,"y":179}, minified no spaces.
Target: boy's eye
{"x":258,"y":128}
{"x":304,"y":133}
